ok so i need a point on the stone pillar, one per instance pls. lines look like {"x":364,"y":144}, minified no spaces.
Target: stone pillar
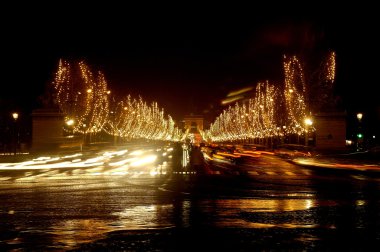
{"x":330,"y":131}
{"x":47,"y":130}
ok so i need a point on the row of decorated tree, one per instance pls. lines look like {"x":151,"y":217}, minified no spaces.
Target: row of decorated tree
{"x":90,"y":108}
{"x":277,"y":112}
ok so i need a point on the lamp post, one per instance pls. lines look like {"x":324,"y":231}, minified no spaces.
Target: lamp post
{"x":359,"y":134}
{"x":70,"y":125}
{"x":283,"y":134}
{"x":15,"y":132}
{"x":113,"y":116}
{"x":359,"y":116}
{"x":308,"y":123}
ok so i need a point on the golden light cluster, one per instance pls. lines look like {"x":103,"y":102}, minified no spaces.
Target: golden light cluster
{"x":295,"y":94}
{"x":331,"y":67}
{"x":132,"y":119}
{"x":256,"y":118}
{"x":273,"y":111}
{"x":84,"y":98}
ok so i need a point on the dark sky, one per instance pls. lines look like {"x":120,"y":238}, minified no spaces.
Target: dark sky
{"x":185,"y":60}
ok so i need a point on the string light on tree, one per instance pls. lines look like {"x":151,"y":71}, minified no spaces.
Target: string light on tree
{"x":272,"y":111}
{"x":330,"y":65}
{"x":84,"y":97}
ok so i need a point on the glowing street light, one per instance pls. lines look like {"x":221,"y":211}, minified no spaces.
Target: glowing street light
{"x":359,"y":135}
{"x":15,"y":137}
{"x":15,"y":116}
{"x":70,"y":129}
{"x":70,"y":122}
{"x":359,"y":116}
{"x":308,"y":122}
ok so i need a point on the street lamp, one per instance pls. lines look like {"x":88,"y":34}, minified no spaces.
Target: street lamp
{"x":15,"y":132}
{"x":308,"y":122}
{"x":113,"y":116}
{"x":70,"y":124}
{"x":283,"y":134}
{"x":15,"y":116}
{"x":359,"y":116}
{"x":359,"y":135}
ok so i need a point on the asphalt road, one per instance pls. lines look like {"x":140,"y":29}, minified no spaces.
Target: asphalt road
{"x":263,"y":203}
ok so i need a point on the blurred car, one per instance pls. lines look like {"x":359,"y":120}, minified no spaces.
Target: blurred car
{"x":290,"y":151}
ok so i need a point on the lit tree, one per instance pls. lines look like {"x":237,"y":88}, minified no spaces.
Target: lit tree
{"x":134,"y":119}
{"x":272,"y":111}
{"x":322,"y":82}
{"x":82,"y":97}
{"x":295,"y":90}
{"x":85,"y":100}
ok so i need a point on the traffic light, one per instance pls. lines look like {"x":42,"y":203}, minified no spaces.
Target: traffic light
{"x":360,"y":135}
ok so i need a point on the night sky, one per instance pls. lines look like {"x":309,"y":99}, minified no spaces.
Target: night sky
{"x":185,"y":60}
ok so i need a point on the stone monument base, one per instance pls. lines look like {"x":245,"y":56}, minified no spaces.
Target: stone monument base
{"x":330,"y":131}
{"x":47,"y":130}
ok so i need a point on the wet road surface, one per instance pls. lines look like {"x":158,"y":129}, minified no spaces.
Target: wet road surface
{"x":261,"y":204}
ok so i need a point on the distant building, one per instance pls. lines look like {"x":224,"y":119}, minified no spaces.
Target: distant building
{"x":193,"y":128}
